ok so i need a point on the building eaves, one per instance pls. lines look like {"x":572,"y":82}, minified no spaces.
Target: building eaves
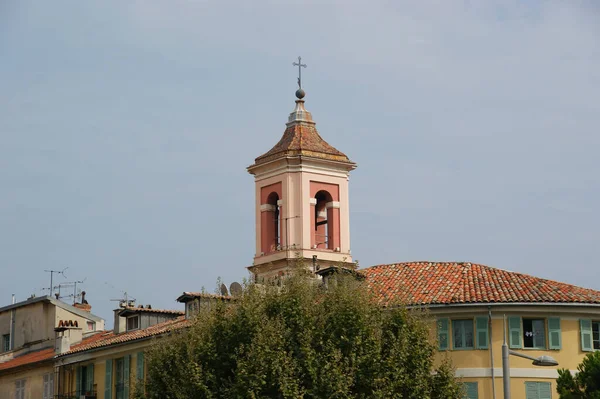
{"x":111,"y":339}
{"x":133,"y":310}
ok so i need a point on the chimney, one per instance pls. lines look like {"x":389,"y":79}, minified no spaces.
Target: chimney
{"x":119,"y":325}
{"x":62,"y":344}
{"x":84,"y":305}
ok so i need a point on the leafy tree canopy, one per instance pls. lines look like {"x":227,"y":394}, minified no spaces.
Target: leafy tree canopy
{"x":585,"y":384}
{"x":301,"y":340}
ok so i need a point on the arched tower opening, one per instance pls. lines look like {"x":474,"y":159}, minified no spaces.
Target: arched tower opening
{"x":271,"y":224}
{"x":322,"y":222}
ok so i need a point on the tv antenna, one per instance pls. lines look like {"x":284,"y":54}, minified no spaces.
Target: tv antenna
{"x":52,"y":276}
{"x":126,"y":301}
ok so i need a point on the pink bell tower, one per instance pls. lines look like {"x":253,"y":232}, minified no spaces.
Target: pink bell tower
{"x":302,"y":206}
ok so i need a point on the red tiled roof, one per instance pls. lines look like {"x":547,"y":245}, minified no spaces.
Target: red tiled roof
{"x":302,"y":139}
{"x":110,"y":338}
{"x":46,"y":354}
{"x":458,"y":283}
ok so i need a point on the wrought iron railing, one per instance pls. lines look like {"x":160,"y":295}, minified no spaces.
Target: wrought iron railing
{"x":77,"y":395}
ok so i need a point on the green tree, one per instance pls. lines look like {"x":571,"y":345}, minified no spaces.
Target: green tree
{"x":586,"y":382}
{"x":301,"y":340}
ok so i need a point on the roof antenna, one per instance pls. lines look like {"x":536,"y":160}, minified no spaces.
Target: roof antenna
{"x":52,"y":275}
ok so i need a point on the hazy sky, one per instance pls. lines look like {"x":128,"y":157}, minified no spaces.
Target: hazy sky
{"x":126,"y":128}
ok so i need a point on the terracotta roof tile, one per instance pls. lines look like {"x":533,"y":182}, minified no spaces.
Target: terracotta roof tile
{"x":457,"y":283}
{"x":110,"y":338}
{"x":46,"y":354}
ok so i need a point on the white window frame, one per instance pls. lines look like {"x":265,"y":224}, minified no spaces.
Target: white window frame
{"x":49,"y":386}
{"x":20,"y":389}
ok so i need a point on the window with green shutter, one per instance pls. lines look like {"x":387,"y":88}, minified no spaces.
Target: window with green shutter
{"x":89,"y":380}
{"x":140,"y":366}
{"x":126,"y":368}
{"x":585,"y":326}
{"x":108,"y":380}
{"x":538,"y":390}
{"x":443,"y":334}
{"x":514,"y":332}
{"x":79,"y":381}
{"x":462,"y":334}
{"x":471,"y":390}
{"x":554,"y":334}
{"x":481,"y":324}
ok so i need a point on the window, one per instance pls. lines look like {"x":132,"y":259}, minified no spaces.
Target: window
{"x":133,"y":322}
{"x":471,"y":390}
{"x":90,"y":325}
{"x":538,"y":390}
{"x":322,"y":221}
{"x":48,"y":386}
{"x":119,"y":377}
{"x":462,"y":334}
{"x":534,"y":333}
{"x":6,"y":343}
{"x":596,"y":334}
{"x":122,"y":377}
{"x":20,"y":389}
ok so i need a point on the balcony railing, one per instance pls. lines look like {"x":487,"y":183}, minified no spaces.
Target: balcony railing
{"x":77,"y":395}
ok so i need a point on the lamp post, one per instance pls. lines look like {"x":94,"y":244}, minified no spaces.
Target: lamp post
{"x":545,"y":361}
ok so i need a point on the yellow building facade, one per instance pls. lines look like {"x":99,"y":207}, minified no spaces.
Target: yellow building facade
{"x":473,"y":307}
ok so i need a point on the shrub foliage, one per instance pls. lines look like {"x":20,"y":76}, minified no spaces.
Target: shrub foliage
{"x":302,"y":340}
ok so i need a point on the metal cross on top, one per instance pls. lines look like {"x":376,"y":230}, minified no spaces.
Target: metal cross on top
{"x":300,"y":65}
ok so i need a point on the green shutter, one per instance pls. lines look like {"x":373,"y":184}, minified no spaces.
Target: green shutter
{"x":554,"y":334}
{"x":443,"y":334}
{"x":89,"y":378}
{"x":514,"y":332}
{"x":471,"y":390}
{"x":78,"y":381}
{"x":108,"y":380}
{"x":140,"y":366}
{"x":544,"y":390}
{"x":481,"y":324}
{"x":531,"y":390}
{"x":126,"y":377}
{"x":586,"y":335}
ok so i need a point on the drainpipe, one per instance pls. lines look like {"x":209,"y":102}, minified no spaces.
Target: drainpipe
{"x":11,"y":337}
{"x":492,"y":352}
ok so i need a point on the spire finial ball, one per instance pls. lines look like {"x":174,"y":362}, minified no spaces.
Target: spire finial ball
{"x":300,"y":94}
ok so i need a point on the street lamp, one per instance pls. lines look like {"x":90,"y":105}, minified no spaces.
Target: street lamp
{"x":545,"y":361}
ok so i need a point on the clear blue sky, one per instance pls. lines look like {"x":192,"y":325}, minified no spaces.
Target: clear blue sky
{"x":126,"y":128}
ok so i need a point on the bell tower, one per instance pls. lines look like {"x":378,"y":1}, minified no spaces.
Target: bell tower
{"x":302,"y":206}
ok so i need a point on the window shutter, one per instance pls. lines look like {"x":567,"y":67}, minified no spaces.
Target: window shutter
{"x":126,"y":376}
{"x":482,"y":332}
{"x":78,"y":387}
{"x":544,"y":390}
{"x":108,"y":380}
{"x":89,"y":378}
{"x":554,"y":334}
{"x":140,"y":366}
{"x":531,"y":390}
{"x":46,"y":394}
{"x":514,"y":332}
{"x":443,"y":334}
{"x":586,"y":335}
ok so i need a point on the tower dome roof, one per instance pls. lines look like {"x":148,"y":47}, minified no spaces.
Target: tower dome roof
{"x":301,"y":138}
